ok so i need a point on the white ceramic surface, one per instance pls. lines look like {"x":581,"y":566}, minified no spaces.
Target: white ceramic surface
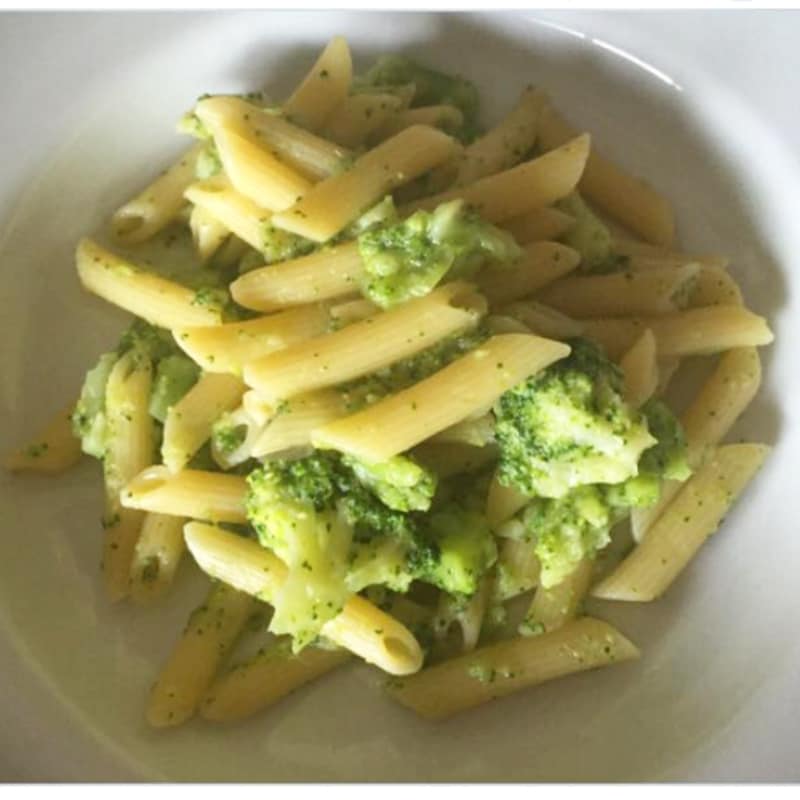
{"x":703,"y":104}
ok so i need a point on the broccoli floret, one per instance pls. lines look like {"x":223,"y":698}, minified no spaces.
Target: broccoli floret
{"x":147,"y":341}
{"x":88,"y":418}
{"x":382,"y":213}
{"x":432,"y":87}
{"x":208,"y":163}
{"x":590,"y":237}
{"x":279,"y":245}
{"x":666,"y":459}
{"x":569,"y":426}
{"x":409,"y":258}
{"x":401,"y":483}
{"x":175,"y":375}
{"x":455,"y":549}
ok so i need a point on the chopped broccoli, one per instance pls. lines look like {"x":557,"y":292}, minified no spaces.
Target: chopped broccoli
{"x":667,"y":458}
{"x":88,"y":418}
{"x":147,"y":341}
{"x":400,"y":482}
{"x":175,"y":375}
{"x":432,"y":87}
{"x":227,"y":434}
{"x":589,"y":236}
{"x":279,"y":245}
{"x":208,"y":163}
{"x":382,"y":213}
{"x":408,"y":259}
{"x":569,"y":426}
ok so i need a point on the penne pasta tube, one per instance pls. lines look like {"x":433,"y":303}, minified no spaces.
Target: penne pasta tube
{"x":445,"y":117}
{"x":541,"y":264}
{"x":210,"y":633}
{"x":361,"y":627}
{"x":472,"y":383}
{"x":500,"y":669}
{"x":358,"y":116}
{"x":366,"y":346}
{"x":239,"y":214}
{"x":697,"y":331}
{"x":543,"y":320}
{"x":324,"y":87}
{"x":629,"y":200}
{"x":686,"y":523}
{"x":667,"y":367}
{"x":530,"y":185}
{"x":189,"y":421}
{"x":503,"y":502}
{"x":654,"y":255}
{"x":311,"y":155}
{"x":292,"y":425}
{"x":714,"y":286}
{"x":621,"y":294}
{"x":228,"y":347}
{"x":267,"y":678}
{"x":208,"y":233}
{"x":158,"y":204}
{"x":504,"y":145}
{"x":540,"y":224}
{"x":555,"y":606}
{"x":713,"y":412}
{"x":52,"y":450}
{"x":336,"y":201}
{"x":158,"y":300}
{"x":328,"y":273}
{"x":517,"y":569}
{"x":640,"y":370}
{"x":352,"y":311}
{"x":189,"y":493}
{"x":155,"y":560}
{"x":129,"y":449}
{"x":256,"y":173}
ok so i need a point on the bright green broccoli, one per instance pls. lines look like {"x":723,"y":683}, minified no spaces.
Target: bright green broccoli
{"x":400,"y":482}
{"x":175,"y":375}
{"x":432,"y":87}
{"x":88,"y":418}
{"x":589,"y":236}
{"x":408,"y":259}
{"x":666,"y":459}
{"x":208,"y":163}
{"x":569,"y":426}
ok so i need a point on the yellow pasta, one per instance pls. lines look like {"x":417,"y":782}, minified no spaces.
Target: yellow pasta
{"x":543,"y":320}
{"x":228,"y":347}
{"x":208,"y":233}
{"x":157,"y":205}
{"x":530,"y":185}
{"x":156,"y":558}
{"x":189,"y":493}
{"x":539,"y":225}
{"x":500,"y":669}
{"x":445,"y":117}
{"x":366,"y":346}
{"x":335,"y":202}
{"x":159,"y":301}
{"x":361,"y":627}
{"x":541,"y":264}
{"x":640,"y":370}
{"x":714,"y":286}
{"x":697,"y":331}
{"x":324,"y":87}
{"x":620,"y":294}
{"x":687,"y":522}
{"x":212,"y":630}
{"x":52,"y":450}
{"x":265,"y":679}
{"x":328,"y":273}
{"x":555,"y":606}
{"x":643,"y":255}
{"x":503,"y":502}
{"x":359,"y":116}
{"x":517,"y":570}
{"x":188,"y":423}
{"x":629,"y":200}
{"x":472,"y":383}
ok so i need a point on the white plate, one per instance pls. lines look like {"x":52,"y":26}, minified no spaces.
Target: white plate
{"x":88,"y":105}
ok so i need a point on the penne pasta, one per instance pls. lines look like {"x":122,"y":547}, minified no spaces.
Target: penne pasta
{"x":366,"y":346}
{"x":503,"y":502}
{"x":528,"y":186}
{"x":189,"y":493}
{"x":445,"y":117}
{"x":335,"y":202}
{"x":328,"y":273}
{"x":157,"y":205}
{"x":228,"y":347}
{"x":54,"y":449}
{"x":714,"y":286}
{"x":506,"y":667}
{"x":541,"y":264}
{"x":324,"y":87}
{"x":359,"y":116}
{"x":210,"y":633}
{"x":504,"y":145}
{"x":267,"y":678}
{"x":453,"y":458}
{"x":158,"y":300}
{"x":361,"y":627}
{"x":621,"y":294}
{"x":697,"y":331}
{"x":684,"y":526}
{"x":554,"y":607}
{"x":472,"y":382}
{"x":208,"y":233}
{"x":543,"y":320}
{"x":643,"y":255}
{"x":188,"y":423}
{"x":541,"y":224}
{"x":640,"y":370}
{"x":629,"y":200}
{"x":155,"y":560}
{"x":517,"y":570}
